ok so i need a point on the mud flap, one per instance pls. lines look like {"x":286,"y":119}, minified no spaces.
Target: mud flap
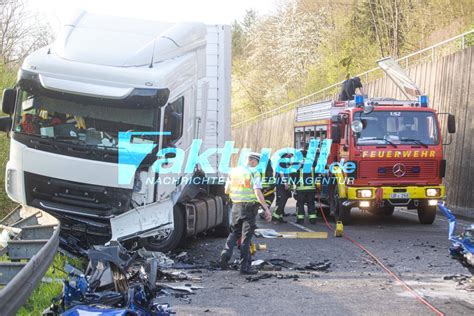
{"x":144,"y":221}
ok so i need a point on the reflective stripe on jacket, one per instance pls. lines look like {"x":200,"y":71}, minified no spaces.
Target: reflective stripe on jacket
{"x":306,"y":181}
{"x":241,"y":185}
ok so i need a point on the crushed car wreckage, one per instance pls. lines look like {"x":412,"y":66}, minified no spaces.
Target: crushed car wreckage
{"x":118,"y":281}
{"x":463,"y":244}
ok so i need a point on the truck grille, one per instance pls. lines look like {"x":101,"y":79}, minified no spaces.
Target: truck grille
{"x":384,"y":169}
{"x":81,"y":198}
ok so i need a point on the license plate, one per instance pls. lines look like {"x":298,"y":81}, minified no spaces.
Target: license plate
{"x":403,"y":195}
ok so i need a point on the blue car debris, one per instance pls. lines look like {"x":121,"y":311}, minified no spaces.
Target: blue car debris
{"x":117,"y":282}
{"x":463,"y":244}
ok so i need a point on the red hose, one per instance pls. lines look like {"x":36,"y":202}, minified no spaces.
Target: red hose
{"x":383,"y":266}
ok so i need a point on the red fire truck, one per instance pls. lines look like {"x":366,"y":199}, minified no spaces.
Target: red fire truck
{"x":397,"y":149}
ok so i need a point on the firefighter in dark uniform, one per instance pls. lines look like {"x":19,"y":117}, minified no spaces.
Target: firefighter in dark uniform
{"x":349,"y":87}
{"x":268,"y":185}
{"x":244,"y":187}
{"x":305,"y":191}
{"x":283,"y":189}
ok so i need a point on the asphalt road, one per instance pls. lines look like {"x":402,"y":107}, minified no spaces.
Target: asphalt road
{"x":354,"y":284}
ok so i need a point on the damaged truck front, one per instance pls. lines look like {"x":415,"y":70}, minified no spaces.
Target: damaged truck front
{"x":106,"y":88}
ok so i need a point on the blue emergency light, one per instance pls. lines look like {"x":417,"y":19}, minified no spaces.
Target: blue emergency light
{"x":423,"y":99}
{"x":359,"y":100}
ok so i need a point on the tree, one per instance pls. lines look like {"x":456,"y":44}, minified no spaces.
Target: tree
{"x":21,"y":32}
{"x":308,"y":45}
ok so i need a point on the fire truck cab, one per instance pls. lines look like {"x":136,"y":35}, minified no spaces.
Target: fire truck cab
{"x":395,"y":145}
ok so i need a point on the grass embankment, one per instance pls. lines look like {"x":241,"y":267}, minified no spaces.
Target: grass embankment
{"x":6,"y":204}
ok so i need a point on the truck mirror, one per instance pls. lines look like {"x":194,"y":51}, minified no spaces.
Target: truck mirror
{"x":451,"y":124}
{"x":5,"y":124}
{"x":335,"y":133}
{"x":8,"y":101}
{"x":368,"y":108}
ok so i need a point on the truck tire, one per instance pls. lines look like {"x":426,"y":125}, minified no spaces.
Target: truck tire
{"x":341,"y":213}
{"x":173,"y":239}
{"x":386,"y":210}
{"x":426,"y":213}
{"x":223,"y":230}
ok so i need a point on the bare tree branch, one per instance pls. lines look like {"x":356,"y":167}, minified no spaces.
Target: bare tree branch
{"x":21,"y":32}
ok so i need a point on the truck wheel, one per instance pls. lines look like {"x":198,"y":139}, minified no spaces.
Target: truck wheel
{"x":426,"y":213}
{"x":170,"y":239}
{"x":386,"y":210}
{"x":223,"y":230}
{"x":341,"y":213}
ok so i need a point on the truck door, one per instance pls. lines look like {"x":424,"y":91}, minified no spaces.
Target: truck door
{"x":176,"y":119}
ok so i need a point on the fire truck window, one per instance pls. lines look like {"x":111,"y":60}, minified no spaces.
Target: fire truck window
{"x":299,"y":138}
{"x":399,"y":127}
{"x":309,"y":134}
{"x":392,"y":127}
{"x":373,"y":128}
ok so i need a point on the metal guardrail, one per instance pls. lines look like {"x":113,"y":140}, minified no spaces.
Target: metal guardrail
{"x":404,"y":61}
{"x":28,"y":254}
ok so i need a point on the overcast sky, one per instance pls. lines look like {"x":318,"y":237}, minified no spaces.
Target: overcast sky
{"x":207,"y":11}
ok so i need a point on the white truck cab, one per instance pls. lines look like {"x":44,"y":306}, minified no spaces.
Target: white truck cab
{"x":163,"y":84}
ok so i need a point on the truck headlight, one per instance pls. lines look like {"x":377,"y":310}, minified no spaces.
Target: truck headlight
{"x":364,"y":204}
{"x":364,"y":193}
{"x":431,"y":192}
{"x":11,"y":185}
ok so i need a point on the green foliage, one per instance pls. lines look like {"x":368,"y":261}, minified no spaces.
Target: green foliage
{"x":7,"y":79}
{"x":308,"y":45}
{"x":6,"y":204}
{"x":469,"y":40}
{"x":41,"y":297}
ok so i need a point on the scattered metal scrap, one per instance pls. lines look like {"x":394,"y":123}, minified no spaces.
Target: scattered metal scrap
{"x":463,"y":244}
{"x":121,"y":282}
{"x":317,"y":266}
{"x":276,"y":264}
{"x":464,"y":282}
{"x":282,"y":276}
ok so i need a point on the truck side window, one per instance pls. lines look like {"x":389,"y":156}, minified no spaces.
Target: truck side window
{"x":173,"y":120}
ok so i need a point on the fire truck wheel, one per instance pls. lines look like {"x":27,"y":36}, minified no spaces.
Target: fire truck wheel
{"x":426,"y":213}
{"x":168,"y":240}
{"x":386,"y":210}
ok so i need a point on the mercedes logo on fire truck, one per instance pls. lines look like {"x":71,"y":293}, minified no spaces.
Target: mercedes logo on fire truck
{"x":399,"y":170}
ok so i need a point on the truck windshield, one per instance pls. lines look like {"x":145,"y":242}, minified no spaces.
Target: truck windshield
{"x":81,"y":124}
{"x":402,"y":127}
